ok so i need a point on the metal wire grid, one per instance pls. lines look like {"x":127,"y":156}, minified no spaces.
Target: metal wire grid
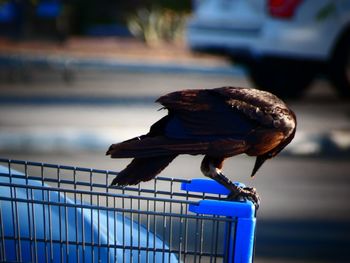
{"x":149,"y":222}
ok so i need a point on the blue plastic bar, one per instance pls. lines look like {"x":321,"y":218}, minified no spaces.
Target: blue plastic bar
{"x":203,"y":185}
{"x":240,"y":247}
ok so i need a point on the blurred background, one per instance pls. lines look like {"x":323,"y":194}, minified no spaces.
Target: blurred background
{"x":77,"y":76}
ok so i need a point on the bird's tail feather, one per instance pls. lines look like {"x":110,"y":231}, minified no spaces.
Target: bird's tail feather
{"x":142,"y":169}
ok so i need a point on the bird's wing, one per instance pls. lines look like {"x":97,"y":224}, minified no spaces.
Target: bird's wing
{"x":219,"y":122}
{"x":210,"y":113}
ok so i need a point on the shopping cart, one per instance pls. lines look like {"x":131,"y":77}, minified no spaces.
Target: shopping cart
{"x":56,"y":213}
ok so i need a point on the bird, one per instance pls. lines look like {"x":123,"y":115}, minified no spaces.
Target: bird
{"x":218,"y":123}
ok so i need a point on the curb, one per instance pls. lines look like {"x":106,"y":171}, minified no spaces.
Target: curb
{"x":59,"y":62}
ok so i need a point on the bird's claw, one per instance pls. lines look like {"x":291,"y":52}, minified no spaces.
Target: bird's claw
{"x":245,"y":193}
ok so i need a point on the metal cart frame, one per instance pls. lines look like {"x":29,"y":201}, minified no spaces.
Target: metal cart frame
{"x":57,"y":213}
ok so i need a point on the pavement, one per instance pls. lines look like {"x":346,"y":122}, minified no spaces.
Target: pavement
{"x":127,"y":56}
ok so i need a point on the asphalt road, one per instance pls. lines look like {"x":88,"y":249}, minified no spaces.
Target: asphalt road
{"x":305,"y":213}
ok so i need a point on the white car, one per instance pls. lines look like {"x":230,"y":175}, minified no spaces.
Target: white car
{"x":283,"y":43}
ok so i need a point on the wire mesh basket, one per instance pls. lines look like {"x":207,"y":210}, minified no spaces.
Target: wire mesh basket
{"x":56,"y":213}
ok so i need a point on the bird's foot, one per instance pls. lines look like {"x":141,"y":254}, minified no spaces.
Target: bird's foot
{"x":244,"y":193}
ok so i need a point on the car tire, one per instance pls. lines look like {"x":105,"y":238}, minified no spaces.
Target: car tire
{"x":284,"y":78}
{"x":339,"y":67}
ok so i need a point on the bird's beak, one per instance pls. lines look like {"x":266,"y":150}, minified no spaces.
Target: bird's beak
{"x":258,"y":163}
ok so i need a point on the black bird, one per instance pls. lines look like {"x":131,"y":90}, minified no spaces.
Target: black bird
{"x":218,"y":123}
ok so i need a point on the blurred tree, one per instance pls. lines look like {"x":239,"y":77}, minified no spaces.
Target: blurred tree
{"x":91,"y":12}
{"x":159,"y":21}
{"x":78,"y":16}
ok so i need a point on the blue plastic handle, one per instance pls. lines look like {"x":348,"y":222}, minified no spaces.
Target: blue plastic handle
{"x":209,"y":186}
{"x":240,"y":247}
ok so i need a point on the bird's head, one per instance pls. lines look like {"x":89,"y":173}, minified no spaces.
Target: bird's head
{"x":260,"y":159}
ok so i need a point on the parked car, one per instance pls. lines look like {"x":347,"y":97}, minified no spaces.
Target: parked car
{"x":283,"y":43}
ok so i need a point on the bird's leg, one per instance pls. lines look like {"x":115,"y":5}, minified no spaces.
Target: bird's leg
{"x":212,"y":168}
{"x":237,"y":192}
